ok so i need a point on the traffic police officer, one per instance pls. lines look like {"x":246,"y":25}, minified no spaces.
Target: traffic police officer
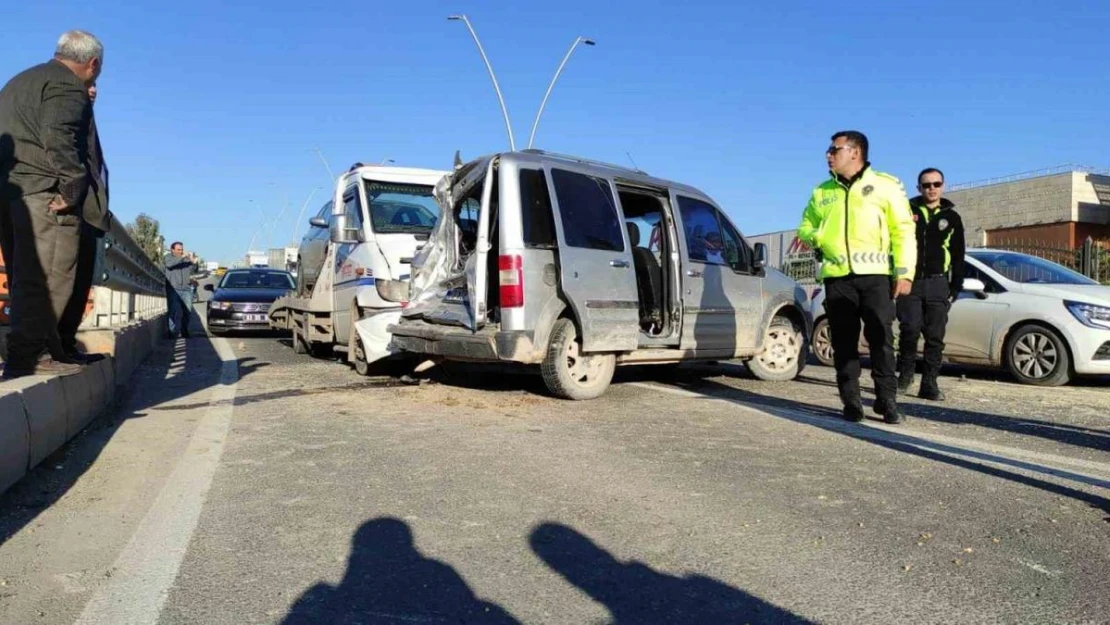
{"x":859,"y":224}
{"x":940,"y":277}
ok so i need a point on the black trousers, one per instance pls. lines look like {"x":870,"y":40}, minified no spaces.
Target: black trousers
{"x":40,"y":249}
{"x":925,"y":309}
{"x":74,"y":312}
{"x":851,"y":301}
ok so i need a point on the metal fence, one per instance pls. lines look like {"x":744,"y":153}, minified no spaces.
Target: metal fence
{"x":1091,"y":259}
{"x":127,"y":285}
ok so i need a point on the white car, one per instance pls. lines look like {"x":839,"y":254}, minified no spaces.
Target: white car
{"x":1041,"y":321}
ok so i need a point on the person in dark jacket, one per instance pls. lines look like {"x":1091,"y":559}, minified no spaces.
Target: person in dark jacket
{"x":46,"y":189}
{"x":86,"y":252}
{"x":940,"y":271}
{"x":179,"y":290}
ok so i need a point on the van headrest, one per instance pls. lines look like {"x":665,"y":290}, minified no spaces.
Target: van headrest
{"x":633,"y":233}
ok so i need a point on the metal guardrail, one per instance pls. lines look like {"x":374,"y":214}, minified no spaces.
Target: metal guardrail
{"x":127,"y":285}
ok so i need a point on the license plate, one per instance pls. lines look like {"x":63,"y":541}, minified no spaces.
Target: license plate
{"x":255,"y":317}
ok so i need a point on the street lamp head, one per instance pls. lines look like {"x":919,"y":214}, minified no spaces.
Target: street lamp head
{"x":455,"y":17}
{"x":589,"y":42}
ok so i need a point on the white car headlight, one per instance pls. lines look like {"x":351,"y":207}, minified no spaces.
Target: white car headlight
{"x":1090,"y":315}
{"x":219,"y":305}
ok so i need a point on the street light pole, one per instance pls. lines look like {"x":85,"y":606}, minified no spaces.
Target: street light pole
{"x":492,"y":76}
{"x":297,"y":224}
{"x":551,"y":85}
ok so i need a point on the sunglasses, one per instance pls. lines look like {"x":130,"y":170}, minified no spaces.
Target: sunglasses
{"x":833,"y":149}
{"x":931,"y":185}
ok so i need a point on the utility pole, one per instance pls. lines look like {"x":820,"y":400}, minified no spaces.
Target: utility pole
{"x":492,"y":76}
{"x":551,"y":85}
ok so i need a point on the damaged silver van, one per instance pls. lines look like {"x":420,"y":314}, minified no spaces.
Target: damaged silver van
{"x":580,"y":266}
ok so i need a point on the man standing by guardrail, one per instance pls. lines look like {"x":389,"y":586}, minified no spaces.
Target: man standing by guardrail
{"x":92,"y":231}
{"x":45,"y":190}
{"x":179,"y":290}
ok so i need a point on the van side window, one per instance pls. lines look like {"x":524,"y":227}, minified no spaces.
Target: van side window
{"x":587,"y":211}
{"x":710,"y":238}
{"x":535,"y":209}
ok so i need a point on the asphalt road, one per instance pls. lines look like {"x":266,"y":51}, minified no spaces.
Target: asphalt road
{"x":240,"y":483}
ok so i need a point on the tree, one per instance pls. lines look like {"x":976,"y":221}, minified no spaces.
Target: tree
{"x":144,"y":231}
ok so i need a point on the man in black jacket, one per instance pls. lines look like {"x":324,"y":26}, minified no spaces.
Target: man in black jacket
{"x":46,"y":189}
{"x":86,"y":255}
{"x":940,"y":276}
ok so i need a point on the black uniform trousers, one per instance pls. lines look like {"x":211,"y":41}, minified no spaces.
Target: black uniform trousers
{"x":925,"y":309}
{"x":849,"y":301}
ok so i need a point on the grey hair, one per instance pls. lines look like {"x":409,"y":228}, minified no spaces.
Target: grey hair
{"x":79,"y":46}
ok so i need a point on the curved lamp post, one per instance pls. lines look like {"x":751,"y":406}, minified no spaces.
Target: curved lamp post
{"x":492,"y":76}
{"x":551,"y":85}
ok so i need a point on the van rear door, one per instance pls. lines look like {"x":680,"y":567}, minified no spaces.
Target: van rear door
{"x":595,"y":260}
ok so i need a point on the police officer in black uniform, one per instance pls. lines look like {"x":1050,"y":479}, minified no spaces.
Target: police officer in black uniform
{"x":940,"y":276}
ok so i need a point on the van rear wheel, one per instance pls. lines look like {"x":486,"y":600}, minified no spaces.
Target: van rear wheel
{"x":570,"y":374}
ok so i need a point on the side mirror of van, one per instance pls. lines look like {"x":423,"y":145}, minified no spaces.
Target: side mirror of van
{"x":760,"y":260}
{"x":318,"y":222}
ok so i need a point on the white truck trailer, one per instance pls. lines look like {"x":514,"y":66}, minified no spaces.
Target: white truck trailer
{"x":367,"y":236}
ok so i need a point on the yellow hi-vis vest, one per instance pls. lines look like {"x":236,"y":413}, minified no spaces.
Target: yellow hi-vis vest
{"x":863,"y":226}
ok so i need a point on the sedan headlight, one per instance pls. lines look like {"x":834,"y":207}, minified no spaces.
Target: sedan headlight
{"x":1090,"y":315}
{"x":393,"y":290}
{"x":219,"y":305}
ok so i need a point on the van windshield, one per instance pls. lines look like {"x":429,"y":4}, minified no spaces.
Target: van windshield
{"x":401,"y":208}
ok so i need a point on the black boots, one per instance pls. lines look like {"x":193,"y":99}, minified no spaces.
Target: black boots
{"x":929,"y":389}
{"x":905,"y":379}
{"x":853,"y":412}
{"x":888,"y":409}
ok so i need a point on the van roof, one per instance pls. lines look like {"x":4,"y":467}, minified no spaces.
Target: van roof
{"x":616,"y":172}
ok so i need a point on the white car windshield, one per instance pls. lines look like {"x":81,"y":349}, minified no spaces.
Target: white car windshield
{"x":1029,"y":269}
{"x":401,"y":208}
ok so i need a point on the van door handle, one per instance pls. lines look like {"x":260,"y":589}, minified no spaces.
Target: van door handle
{"x":693,"y":273}
{"x":618,"y":263}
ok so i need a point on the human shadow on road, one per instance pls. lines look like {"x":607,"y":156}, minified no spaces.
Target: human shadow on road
{"x":170,"y":372}
{"x":389,"y":581}
{"x":830,"y":419}
{"x":636,"y":594}
{"x":943,"y":413}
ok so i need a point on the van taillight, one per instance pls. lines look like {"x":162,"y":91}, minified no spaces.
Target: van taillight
{"x":511,"y":280}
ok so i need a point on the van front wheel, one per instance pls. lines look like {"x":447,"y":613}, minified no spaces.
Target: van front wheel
{"x":570,"y":374}
{"x":783,"y":357}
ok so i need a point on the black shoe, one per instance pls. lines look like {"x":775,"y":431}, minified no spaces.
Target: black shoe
{"x":929,"y":390}
{"x":853,"y":413}
{"x":77,"y":357}
{"x":889,"y":410}
{"x":905,"y":381}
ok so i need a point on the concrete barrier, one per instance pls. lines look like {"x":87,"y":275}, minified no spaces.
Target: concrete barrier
{"x":77,"y":392}
{"x":15,"y":446}
{"x":45,"y":406}
{"x":38,"y":414}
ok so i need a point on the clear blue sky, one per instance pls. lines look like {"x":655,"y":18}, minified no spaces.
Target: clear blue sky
{"x":204,"y":107}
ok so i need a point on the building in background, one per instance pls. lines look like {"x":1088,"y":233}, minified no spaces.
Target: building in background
{"x":1058,"y":207}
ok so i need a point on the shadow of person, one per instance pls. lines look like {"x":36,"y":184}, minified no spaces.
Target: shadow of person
{"x":389,"y":581}
{"x":634,"y":593}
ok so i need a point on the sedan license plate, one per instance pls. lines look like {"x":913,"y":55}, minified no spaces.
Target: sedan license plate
{"x":255,"y":317}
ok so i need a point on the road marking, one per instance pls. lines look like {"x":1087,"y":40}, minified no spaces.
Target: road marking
{"x":148,"y":565}
{"x":1073,"y":469}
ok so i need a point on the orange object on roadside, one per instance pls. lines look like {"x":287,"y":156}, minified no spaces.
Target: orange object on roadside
{"x":4,"y":298}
